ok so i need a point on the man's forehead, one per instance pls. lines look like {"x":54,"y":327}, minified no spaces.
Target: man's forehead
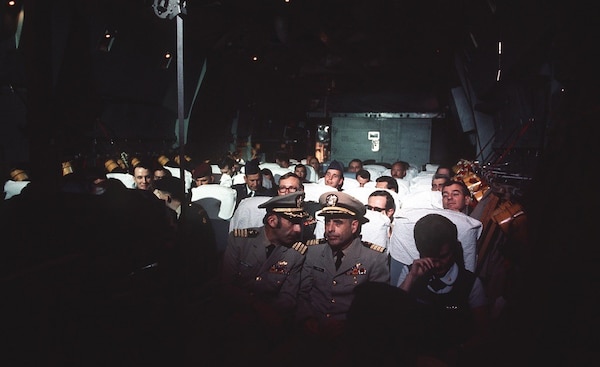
{"x":374,"y":199}
{"x":288,"y":181}
{"x":452,"y":187}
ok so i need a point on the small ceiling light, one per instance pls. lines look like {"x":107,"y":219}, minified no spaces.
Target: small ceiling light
{"x":107,"y":40}
{"x":166,"y":60}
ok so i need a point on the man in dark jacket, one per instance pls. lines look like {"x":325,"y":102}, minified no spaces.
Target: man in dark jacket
{"x":252,"y":185}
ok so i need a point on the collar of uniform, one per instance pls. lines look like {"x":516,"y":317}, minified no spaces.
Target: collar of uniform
{"x":448,"y":279}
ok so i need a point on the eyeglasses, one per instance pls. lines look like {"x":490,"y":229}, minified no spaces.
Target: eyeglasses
{"x":375,"y":208}
{"x":287,"y":189}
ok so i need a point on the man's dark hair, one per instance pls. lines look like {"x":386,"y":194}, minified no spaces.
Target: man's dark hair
{"x":389,"y":200}
{"x":391,"y":182}
{"x":433,"y":231}
{"x":300,"y":165}
{"x":463,"y":186}
{"x":282,"y":156}
{"x":364,"y":174}
{"x":173,"y":186}
{"x":355,"y":160}
{"x":142,"y":163}
{"x":226,"y":162}
{"x":292,"y":174}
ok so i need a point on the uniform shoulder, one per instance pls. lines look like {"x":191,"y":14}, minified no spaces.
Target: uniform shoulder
{"x":245,"y":232}
{"x":315,"y":241}
{"x":373,"y":246}
{"x":300,"y":247}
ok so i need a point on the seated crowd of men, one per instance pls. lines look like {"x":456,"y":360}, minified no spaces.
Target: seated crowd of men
{"x":303,"y":274}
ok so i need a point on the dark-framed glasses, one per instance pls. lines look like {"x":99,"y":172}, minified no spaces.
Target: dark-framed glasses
{"x":375,"y":208}
{"x":287,"y":189}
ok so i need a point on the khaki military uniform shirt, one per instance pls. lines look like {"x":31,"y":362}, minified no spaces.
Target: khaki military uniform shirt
{"x":328,"y":293}
{"x":275,"y":279}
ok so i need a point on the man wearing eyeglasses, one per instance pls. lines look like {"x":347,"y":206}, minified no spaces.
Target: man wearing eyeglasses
{"x":246,"y":214}
{"x":383,"y":202}
{"x":290,"y":183}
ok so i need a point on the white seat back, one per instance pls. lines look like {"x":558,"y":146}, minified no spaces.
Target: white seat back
{"x":217,"y":200}
{"x":248,"y":214}
{"x":269,"y":165}
{"x":126,"y":178}
{"x":361,"y":193}
{"x":238,"y":179}
{"x":375,"y":170}
{"x":411,"y":172}
{"x":431,"y":167}
{"x":279,"y":171}
{"x":313,"y":191}
{"x":377,"y":229}
{"x":423,"y":199}
{"x":12,"y":188}
{"x":311,"y":174}
{"x":403,"y":187}
{"x":402,"y":243}
{"x":350,"y":183}
{"x":421,"y":182}
{"x":176,"y":172}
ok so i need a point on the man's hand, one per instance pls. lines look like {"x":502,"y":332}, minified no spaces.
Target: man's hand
{"x":418,"y":268}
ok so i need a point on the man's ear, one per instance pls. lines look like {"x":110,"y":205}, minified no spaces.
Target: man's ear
{"x":354,"y":225}
{"x":273,"y":220}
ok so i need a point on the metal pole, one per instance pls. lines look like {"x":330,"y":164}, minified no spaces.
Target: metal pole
{"x":180,"y":100}
{"x":169,"y":9}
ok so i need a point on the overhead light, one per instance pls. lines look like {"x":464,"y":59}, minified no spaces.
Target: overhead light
{"x":107,"y":40}
{"x":166,"y":60}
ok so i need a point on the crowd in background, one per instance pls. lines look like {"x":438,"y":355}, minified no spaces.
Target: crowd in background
{"x":134,"y":242}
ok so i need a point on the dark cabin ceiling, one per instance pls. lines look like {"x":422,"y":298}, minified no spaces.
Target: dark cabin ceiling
{"x":306,"y":48}
{"x":311,"y":49}
{"x":313,"y":56}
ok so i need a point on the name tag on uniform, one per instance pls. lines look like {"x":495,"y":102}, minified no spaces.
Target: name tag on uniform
{"x":318,"y":269}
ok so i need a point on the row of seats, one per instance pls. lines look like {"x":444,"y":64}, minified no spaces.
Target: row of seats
{"x":219,"y":202}
{"x":414,"y":201}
